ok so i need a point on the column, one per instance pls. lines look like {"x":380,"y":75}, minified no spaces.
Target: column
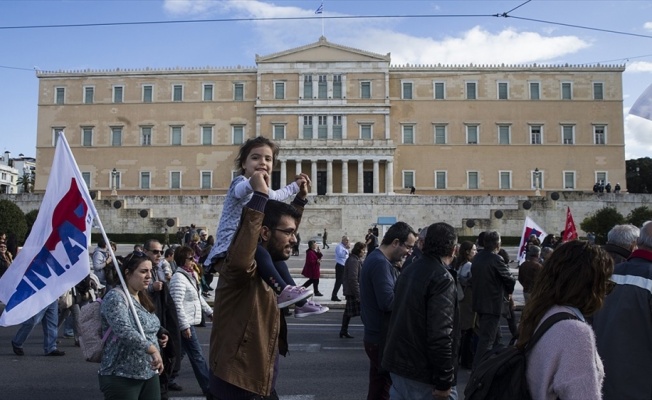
{"x":345,"y":176}
{"x":376,"y":176}
{"x":329,"y":177}
{"x":389,"y":177}
{"x":297,"y":167}
{"x":313,"y":176}
{"x":360,"y":176}
{"x":284,"y":174}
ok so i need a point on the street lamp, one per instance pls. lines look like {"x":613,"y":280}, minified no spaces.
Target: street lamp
{"x":114,"y":181}
{"x":537,"y":182}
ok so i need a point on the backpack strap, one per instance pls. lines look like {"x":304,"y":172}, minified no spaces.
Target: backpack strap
{"x":547,"y":324}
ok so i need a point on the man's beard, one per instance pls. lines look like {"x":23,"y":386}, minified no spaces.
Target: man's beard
{"x":276,"y":250}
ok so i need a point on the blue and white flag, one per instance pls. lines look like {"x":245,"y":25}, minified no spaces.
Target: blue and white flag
{"x":529,"y":228}
{"x":55,"y":255}
{"x":643,"y":105}
{"x":320,"y":9}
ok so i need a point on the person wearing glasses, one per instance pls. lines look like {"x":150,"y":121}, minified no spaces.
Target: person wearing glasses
{"x":259,"y":155}
{"x":377,"y":280}
{"x":184,"y":288}
{"x":249,"y":332}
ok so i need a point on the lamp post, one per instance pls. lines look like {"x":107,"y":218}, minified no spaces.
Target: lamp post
{"x":114,"y":181}
{"x":537,"y":182}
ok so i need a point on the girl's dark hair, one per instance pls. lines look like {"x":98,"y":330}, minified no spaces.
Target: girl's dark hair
{"x":463,"y":254}
{"x":132,"y":261}
{"x":250,"y":144}
{"x":181,"y":253}
{"x":358,"y":248}
{"x":576,"y":274}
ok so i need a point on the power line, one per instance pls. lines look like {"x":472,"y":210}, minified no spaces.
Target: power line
{"x":580,"y":27}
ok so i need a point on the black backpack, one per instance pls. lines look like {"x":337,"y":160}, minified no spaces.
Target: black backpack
{"x":500,"y":374}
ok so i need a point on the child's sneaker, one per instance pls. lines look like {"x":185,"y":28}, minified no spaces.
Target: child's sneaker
{"x":310,"y":308}
{"x":292,"y":294}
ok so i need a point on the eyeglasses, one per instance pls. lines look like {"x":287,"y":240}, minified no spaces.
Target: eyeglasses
{"x":155,"y":251}
{"x":190,"y":258}
{"x":288,"y":232}
{"x":136,"y":254}
{"x":407,"y":246}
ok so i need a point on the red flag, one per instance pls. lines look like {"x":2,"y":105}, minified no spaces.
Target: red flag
{"x":570,"y":232}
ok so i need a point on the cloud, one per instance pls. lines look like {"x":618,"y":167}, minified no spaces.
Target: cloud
{"x":638,"y":136}
{"x":648,"y":26}
{"x":639,"y":66}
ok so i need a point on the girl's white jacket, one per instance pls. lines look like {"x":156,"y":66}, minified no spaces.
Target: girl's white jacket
{"x":184,"y":290}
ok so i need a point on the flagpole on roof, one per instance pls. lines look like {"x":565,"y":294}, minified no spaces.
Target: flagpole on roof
{"x":87,"y":197}
{"x":320,"y":10}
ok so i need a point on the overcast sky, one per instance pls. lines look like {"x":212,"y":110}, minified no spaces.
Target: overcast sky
{"x":425,"y":32}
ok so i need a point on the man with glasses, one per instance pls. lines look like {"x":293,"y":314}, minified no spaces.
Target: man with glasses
{"x":248,"y":331}
{"x":377,"y":279}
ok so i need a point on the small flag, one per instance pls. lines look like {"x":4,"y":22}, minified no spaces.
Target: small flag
{"x":55,"y":255}
{"x":320,"y":9}
{"x":529,"y":228}
{"x":643,"y":105}
{"x":570,"y":232}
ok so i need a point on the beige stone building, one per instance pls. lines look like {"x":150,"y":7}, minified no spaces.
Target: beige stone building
{"x":347,"y":117}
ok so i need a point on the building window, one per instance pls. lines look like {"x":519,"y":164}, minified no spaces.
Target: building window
{"x":279,"y":90}
{"x":408,"y":134}
{"x":177,"y":92}
{"x":175,"y":180}
{"x":322,"y":127}
{"x":238,"y":91}
{"x":472,"y":180}
{"x":87,"y":136}
{"x":337,"y":127}
{"x":472,"y":134}
{"x":116,"y":136}
{"x":440,"y":179}
{"x":533,"y":179}
{"x":440,"y":90}
{"x":440,"y":134}
{"x":408,"y":179}
{"x":148,"y":91}
{"x":208,"y":92}
{"x":568,"y":134}
{"x":307,"y":86}
{"x":117,"y":182}
{"x":322,"y":87}
{"x":504,"y":134}
{"x":206,"y":179}
{"x":471,"y":91}
{"x":600,"y":134}
{"x":206,"y":135}
{"x":337,"y":86}
{"x":535,"y":134}
{"x":55,"y":135}
{"x":118,"y":94}
{"x":145,"y":135}
{"x":60,"y":95}
{"x":145,"y":180}
{"x":569,"y":179}
{"x":176,"y":132}
{"x":601,"y":177}
{"x":89,"y":94}
{"x":307,"y":126}
{"x":279,"y":131}
{"x":598,"y":91}
{"x":366,"y":132}
{"x":238,"y":134}
{"x":535,"y":93}
{"x":406,"y":92}
{"x":86,"y":176}
{"x":566,"y":91}
{"x":365,"y":90}
{"x":503,"y":90}
{"x":505,"y":179}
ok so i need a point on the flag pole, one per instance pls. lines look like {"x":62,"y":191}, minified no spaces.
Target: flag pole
{"x":91,"y":205}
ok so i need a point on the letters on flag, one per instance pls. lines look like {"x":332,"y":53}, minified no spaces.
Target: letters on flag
{"x":529,"y":228}
{"x":643,"y":105}
{"x":570,"y":232}
{"x":55,"y":255}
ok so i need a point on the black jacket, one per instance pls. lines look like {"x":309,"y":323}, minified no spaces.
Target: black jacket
{"x":423,"y":334}
{"x":618,"y":253}
{"x":492,"y":281}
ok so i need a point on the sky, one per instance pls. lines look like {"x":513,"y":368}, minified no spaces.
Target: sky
{"x":413,"y":31}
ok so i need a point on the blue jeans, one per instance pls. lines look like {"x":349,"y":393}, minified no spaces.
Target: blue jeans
{"x":408,"y":389}
{"x":48,"y":317}
{"x":192,"y":348}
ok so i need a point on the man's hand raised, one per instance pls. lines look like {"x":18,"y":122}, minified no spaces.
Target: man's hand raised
{"x":258,"y":182}
{"x":304,"y":188}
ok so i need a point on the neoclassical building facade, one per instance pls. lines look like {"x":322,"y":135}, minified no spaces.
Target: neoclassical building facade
{"x":347,"y":117}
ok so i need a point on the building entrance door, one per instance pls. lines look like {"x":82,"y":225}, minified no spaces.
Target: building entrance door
{"x":368,"y":182}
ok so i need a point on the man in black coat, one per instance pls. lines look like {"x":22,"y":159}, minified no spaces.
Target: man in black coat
{"x":492,"y":282}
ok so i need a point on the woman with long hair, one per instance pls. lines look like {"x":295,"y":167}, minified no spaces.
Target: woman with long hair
{"x":351,"y":284}
{"x":564,"y":363}
{"x":462,"y":265}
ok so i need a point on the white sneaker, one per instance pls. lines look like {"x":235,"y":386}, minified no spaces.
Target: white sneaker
{"x":292,"y":294}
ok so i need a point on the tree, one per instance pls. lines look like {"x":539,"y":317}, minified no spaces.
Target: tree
{"x":639,"y":215}
{"x":601,"y":223}
{"x":12,"y":220}
{"x":30,"y":218}
{"x":26,"y":181}
{"x":639,"y":175}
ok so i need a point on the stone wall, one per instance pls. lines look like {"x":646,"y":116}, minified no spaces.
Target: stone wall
{"x":352,"y":215}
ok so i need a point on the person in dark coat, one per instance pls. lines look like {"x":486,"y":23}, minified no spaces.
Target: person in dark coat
{"x":312,"y":266}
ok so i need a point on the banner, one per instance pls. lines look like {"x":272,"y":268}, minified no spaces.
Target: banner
{"x":643,"y":105}
{"x":55,"y":255}
{"x":529,"y":228}
{"x":570,"y":232}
